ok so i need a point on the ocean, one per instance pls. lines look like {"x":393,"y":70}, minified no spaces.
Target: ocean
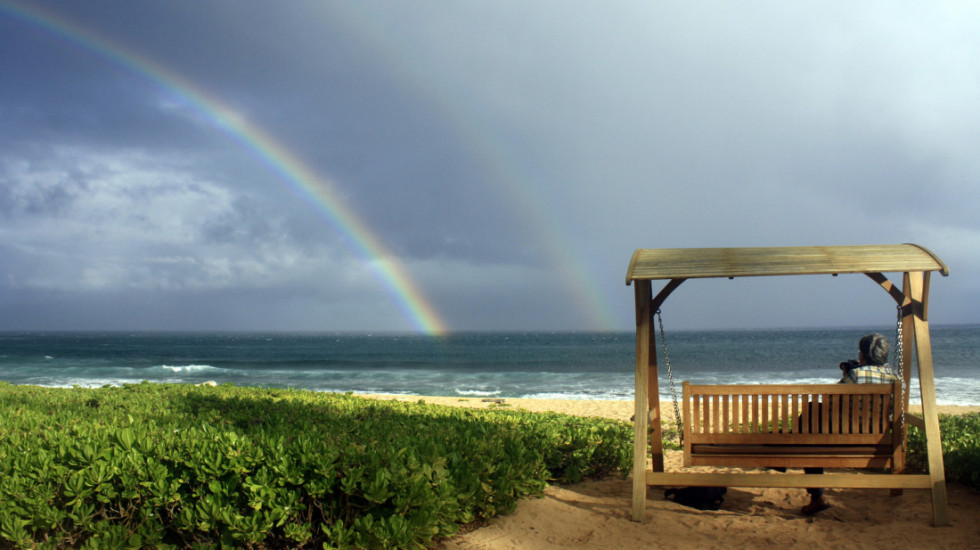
{"x":583,"y":365}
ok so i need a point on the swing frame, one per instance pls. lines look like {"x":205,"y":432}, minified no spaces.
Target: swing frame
{"x":675,"y":266}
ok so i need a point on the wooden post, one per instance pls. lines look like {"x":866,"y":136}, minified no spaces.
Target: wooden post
{"x":656,"y":427}
{"x":643,"y":296}
{"x":908,"y":333}
{"x":919,"y":287}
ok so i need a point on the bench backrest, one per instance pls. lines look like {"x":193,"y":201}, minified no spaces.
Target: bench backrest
{"x":791,"y":414}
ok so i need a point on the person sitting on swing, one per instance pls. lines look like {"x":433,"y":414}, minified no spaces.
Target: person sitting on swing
{"x":871,"y":367}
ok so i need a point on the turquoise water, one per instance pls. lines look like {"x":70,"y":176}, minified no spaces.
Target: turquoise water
{"x":549,"y":365}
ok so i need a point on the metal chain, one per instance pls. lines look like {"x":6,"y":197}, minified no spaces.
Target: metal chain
{"x":670,"y":378}
{"x":900,"y":366}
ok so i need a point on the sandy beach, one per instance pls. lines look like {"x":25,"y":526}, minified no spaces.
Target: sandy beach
{"x":596,"y":514}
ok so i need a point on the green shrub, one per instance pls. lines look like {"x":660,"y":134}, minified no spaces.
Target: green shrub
{"x":961,"y":448}
{"x":671,"y":437}
{"x":155,"y":465}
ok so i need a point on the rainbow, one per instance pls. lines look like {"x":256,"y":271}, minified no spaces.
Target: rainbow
{"x":499,"y":159}
{"x":263,"y":147}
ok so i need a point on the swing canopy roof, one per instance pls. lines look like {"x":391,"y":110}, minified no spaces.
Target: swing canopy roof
{"x":700,"y":263}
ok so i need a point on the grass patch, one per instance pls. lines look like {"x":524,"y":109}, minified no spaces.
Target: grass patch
{"x":961,"y":448}
{"x":158,"y":465}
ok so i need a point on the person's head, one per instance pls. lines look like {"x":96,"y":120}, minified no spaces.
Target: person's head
{"x":874,"y":349}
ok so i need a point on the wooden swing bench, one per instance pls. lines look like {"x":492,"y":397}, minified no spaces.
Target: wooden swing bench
{"x":792,"y":426}
{"x":766,"y":426}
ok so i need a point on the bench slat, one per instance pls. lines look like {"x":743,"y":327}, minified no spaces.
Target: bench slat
{"x":794,"y":450}
{"x":790,"y":461}
{"x":791,"y":439}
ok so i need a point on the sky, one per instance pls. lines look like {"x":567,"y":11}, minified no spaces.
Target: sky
{"x":434,"y":166}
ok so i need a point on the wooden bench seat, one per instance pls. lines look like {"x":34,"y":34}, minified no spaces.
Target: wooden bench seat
{"x":792,"y":426}
{"x":790,"y":456}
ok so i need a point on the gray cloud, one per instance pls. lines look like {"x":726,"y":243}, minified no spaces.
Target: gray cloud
{"x":511,"y":155}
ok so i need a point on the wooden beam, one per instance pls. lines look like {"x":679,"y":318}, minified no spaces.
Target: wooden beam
{"x":665,"y":292}
{"x":908,"y":345}
{"x":642,"y":295}
{"x":908,"y":335}
{"x":655,"y":429}
{"x":688,"y":428}
{"x":919,"y":287}
{"x":647,"y":394}
{"x":916,"y":421}
{"x":890,"y":288}
{"x":663,"y":264}
{"x":848,"y":481}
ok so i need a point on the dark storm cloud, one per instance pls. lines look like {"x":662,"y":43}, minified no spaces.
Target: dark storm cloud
{"x":323,"y":98}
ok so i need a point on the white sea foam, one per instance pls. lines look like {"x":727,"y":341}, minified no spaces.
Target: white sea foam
{"x":84,"y":382}
{"x":606,"y":396}
{"x":188,"y":368}
{"x":481,"y":393}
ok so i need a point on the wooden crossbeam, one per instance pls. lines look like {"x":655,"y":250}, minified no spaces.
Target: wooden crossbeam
{"x":849,"y":481}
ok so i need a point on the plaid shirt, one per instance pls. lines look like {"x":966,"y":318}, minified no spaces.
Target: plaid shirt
{"x":870,"y":374}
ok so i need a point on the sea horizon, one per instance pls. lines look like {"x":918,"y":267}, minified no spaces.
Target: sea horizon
{"x":315,"y":332}
{"x":498,"y":364}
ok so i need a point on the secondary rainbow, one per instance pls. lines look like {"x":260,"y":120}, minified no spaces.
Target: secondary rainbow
{"x":498,"y":157}
{"x":265,"y":149}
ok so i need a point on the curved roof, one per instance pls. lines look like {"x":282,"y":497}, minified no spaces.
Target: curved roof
{"x":693,"y":263}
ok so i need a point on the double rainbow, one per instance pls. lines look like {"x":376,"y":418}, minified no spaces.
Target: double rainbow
{"x":393,"y":49}
{"x":263,"y":147}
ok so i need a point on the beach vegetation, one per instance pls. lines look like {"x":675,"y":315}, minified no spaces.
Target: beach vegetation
{"x":169,"y":465}
{"x":671,"y":436}
{"x":961,"y":448}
